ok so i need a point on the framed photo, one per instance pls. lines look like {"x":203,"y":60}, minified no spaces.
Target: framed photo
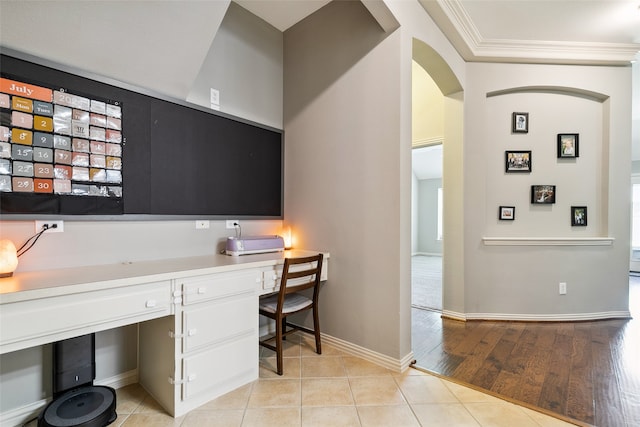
{"x":543,"y":194}
{"x":568,"y":145}
{"x":578,"y":216}
{"x":507,"y":213}
{"x":517,"y":161}
{"x":520,"y":122}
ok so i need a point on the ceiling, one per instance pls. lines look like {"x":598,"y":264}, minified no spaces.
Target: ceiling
{"x":282,"y":14}
{"x":558,"y":31}
{"x":427,"y":162}
{"x":594,"y":31}
{"x":528,"y":31}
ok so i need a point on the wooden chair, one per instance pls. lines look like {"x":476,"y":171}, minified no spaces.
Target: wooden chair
{"x":288,"y":300}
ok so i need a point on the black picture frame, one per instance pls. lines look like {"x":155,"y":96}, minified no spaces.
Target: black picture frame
{"x":517,"y":161}
{"x":578,"y":216}
{"x":519,"y":122}
{"x":568,"y":145}
{"x":543,"y":194}
{"x":507,"y":213}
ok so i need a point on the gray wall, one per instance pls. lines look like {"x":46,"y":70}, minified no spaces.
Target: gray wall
{"x":415,"y":201}
{"x":243,"y":42}
{"x":158,"y":45}
{"x":348,"y":163}
{"x":343,"y":167}
{"x":428,"y":242}
{"x":596,"y":276}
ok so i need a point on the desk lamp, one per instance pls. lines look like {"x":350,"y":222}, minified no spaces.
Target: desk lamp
{"x":8,"y":258}
{"x":9,"y":254}
{"x":286,"y":235}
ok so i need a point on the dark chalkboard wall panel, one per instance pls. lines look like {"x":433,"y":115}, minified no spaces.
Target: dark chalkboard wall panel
{"x":178,"y":160}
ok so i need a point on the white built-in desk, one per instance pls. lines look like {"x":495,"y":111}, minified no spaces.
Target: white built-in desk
{"x":198,"y":317}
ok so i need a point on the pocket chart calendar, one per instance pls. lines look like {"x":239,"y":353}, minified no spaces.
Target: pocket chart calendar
{"x":53,"y":141}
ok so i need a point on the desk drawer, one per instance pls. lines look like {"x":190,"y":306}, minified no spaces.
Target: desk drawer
{"x":50,"y":319}
{"x":214,"y":323}
{"x":218,"y":286}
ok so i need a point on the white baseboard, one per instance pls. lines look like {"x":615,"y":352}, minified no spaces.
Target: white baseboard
{"x":427,"y":254}
{"x":395,"y":365}
{"x":19,"y":416}
{"x":570,"y":317}
{"x":454,"y":315}
{"x":120,"y":380}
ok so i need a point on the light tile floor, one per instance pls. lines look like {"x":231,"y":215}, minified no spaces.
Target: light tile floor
{"x":335,"y":389}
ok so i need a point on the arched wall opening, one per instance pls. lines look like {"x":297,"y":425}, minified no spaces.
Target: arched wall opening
{"x":452,"y":176}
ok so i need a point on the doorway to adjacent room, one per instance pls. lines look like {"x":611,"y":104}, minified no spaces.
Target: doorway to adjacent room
{"x":426,"y":259}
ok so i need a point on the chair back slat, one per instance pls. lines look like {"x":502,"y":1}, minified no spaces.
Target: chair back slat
{"x":298,"y":280}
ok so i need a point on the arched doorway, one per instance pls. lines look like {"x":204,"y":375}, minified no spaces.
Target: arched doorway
{"x":427,"y":194}
{"x":451,"y":125}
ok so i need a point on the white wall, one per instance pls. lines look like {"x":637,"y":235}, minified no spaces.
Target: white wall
{"x":427,"y":109}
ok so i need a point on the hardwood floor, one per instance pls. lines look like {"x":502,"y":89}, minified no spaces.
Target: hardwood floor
{"x":586,"y":371}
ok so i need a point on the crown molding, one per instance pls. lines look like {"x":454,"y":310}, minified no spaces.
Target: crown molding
{"x":454,"y":21}
{"x":557,"y":52}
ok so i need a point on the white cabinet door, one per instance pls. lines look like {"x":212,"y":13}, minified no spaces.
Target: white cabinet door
{"x":159,"y":361}
{"x":220,"y":369}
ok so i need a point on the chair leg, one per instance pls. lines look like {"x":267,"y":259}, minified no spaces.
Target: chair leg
{"x":279,"y":325}
{"x":316,"y":329}
{"x":284,"y":328}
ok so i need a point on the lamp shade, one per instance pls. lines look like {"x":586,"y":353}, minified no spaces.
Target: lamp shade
{"x":287,"y":238}
{"x":8,"y":258}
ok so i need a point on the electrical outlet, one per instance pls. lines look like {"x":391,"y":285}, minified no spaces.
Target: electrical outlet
{"x":53,"y":226}
{"x":231,"y":223}
{"x":562,"y":288}
{"x":202,"y":224}
{"x":215,"y":96}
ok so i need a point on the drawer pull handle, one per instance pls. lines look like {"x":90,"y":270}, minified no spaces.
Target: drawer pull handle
{"x":190,"y":333}
{"x":150,"y":303}
{"x":177,"y":300}
{"x":190,"y":378}
{"x":202,"y":290}
{"x":177,"y":293}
